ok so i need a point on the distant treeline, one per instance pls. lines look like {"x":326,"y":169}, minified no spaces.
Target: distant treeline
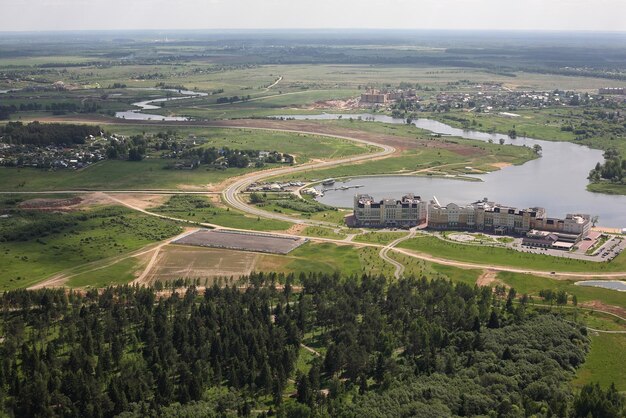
{"x":57,"y":108}
{"x":41,"y":134}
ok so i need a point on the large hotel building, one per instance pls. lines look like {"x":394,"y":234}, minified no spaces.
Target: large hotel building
{"x":406,"y":212}
{"x":482,"y":215}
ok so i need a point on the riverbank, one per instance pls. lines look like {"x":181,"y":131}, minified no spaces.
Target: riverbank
{"x":607,"y":188}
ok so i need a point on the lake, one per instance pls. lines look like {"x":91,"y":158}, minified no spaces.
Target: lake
{"x":606,"y":284}
{"x":556,"y":181}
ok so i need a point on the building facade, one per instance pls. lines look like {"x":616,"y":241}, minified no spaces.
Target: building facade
{"x":374,"y":97}
{"x":407,"y":212}
{"x":481,"y":215}
{"x":485,"y":216}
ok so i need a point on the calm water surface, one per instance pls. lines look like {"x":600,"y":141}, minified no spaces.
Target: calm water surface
{"x":556,"y":181}
{"x":136,"y":114}
{"x":606,"y":284}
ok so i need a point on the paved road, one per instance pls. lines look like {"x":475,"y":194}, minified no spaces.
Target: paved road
{"x":385,"y":256}
{"x":83,"y":191}
{"x":232,"y":194}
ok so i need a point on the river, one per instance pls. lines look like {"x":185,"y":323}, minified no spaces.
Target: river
{"x":556,"y":181}
{"x":136,"y":114}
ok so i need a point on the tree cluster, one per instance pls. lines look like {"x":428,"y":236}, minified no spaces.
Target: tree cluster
{"x":43,"y":134}
{"x":101,"y":354}
{"x":613,"y":169}
{"x":412,"y":347}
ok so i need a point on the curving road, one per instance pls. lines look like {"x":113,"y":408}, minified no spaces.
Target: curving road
{"x":385,"y":250}
{"x":232,"y":193}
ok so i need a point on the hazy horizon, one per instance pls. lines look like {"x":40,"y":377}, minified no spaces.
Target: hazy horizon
{"x":531,"y":15}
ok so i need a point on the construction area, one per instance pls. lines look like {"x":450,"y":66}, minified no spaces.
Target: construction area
{"x":244,"y":241}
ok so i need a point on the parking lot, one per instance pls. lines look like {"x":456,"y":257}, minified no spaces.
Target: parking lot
{"x":245,"y":241}
{"x":611,"y":249}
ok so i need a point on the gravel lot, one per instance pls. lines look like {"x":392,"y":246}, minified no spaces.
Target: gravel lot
{"x":233,"y":240}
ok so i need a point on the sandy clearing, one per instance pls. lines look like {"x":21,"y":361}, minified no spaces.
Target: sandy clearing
{"x":501,"y":165}
{"x":607,"y":230}
{"x":142,"y":201}
{"x":94,"y":199}
{"x":295,"y":229}
{"x":488,"y":278}
{"x":173,"y":262}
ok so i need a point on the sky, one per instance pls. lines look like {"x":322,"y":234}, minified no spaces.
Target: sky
{"x":45,"y":15}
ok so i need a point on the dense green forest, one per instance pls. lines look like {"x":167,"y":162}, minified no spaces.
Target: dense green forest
{"x":42,"y":134}
{"x":410,"y":348}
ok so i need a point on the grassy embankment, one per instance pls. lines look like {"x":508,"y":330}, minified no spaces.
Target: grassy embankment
{"x":68,"y":240}
{"x":382,"y":238}
{"x":327,"y":258}
{"x":605,"y":362}
{"x":607,"y":188}
{"x":439,"y":158}
{"x":507,"y":257}
{"x":291,"y":205}
{"x":526,"y":283}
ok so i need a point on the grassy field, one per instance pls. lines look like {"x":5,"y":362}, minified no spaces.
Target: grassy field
{"x":525,"y":283}
{"x":201,"y":209}
{"x":87,"y":237}
{"x":608,"y":188}
{"x":543,"y":124}
{"x":508,"y":257}
{"x":151,"y":173}
{"x":456,"y":274}
{"x":114,"y":175}
{"x":327,"y":258}
{"x":118,"y":273}
{"x":292,"y":205}
{"x":379,"y":237}
{"x":322,"y":232}
{"x":540,"y":124}
{"x":303,"y":146}
{"x":605,"y":362}
{"x":421,"y":160}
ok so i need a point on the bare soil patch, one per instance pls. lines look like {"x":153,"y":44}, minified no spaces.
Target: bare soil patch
{"x":348,"y":104}
{"x":180,"y":262}
{"x":64,"y":205}
{"x":488,"y":278}
{"x":296,"y":229}
{"x":601,"y":306}
{"x":501,"y":165}
{"x":143,"y":201}
{"x":94,"y":199}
